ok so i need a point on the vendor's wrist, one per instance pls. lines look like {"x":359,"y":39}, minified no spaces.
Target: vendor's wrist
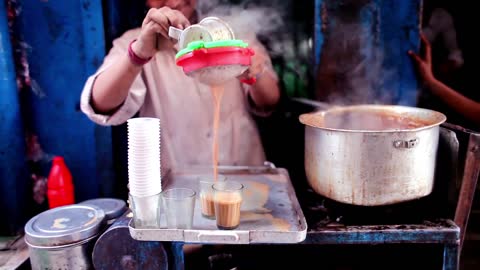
{"x":136,"y":54}
{"x":137,"y":47}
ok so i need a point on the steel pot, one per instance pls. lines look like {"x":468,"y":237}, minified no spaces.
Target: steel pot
{"x":371,"y":154}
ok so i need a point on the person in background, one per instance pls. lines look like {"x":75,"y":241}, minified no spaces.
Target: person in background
{"x":440,"y":29}
{"x":139,"y":75}
{"x":446,"y":28}
{"x":463,"y":105}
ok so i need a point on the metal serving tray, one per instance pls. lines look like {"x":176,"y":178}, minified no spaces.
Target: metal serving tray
{"x":270,"y":210}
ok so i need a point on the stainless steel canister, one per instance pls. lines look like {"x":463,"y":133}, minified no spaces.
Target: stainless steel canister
{"x":113,"y":208}
{"x":63,"y":237}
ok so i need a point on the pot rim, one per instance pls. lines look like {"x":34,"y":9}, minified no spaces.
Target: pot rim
{"x":437,"y":118}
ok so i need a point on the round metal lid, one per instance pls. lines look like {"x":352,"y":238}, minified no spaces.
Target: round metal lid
{"x":64,"y":225}
{"x":113,"y":208}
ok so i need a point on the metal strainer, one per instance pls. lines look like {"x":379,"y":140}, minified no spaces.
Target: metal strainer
{"x":214,"y":63}
{"x":218,"y":75}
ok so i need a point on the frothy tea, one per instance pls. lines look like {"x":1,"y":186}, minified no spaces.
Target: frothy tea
{"x":227,"y":210}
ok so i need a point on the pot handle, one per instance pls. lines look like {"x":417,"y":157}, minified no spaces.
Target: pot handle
{"x":174,"y":33}
{"x":406,"y":144}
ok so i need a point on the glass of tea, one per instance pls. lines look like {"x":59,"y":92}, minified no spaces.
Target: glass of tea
{"x":206,"y":194}
{"x":227,"y":197}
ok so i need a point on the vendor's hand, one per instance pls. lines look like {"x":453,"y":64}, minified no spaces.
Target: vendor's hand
{"x":423,"y":62}
{"x":157,"y":21}
{"x":257,"y":67}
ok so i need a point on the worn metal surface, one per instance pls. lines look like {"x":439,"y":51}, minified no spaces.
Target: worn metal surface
{"x":360,"y":50}
{"x":113,"y":208}
{"x":13,"y":252}
{"x":439,"y":232}
{"x":63,"y":226}
{"x":13,"y":174}
{"x":76,"y":256}
{"x":365,"y":167}
{"x":270,"y":210}
{"x":66,"y":45}
{"x":451,"y":257}
{"x":469,"y":183}
{"x":447,"y":171}
{"x":463,"y":186}
{"x":427,"y":220}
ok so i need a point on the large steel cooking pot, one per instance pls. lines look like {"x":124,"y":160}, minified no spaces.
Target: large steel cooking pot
{"x":371,"y":154}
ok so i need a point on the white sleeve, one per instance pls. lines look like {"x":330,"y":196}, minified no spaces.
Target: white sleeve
{"x":132,"y":103}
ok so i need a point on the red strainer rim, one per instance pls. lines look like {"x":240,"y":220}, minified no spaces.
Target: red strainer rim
{"x":220,"y":56}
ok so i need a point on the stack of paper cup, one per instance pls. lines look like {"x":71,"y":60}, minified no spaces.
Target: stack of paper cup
{"x":144,"y":175}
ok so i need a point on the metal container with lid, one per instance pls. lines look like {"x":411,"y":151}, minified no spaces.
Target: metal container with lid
{"x":113,"y":208}
{"x":63,"y":237}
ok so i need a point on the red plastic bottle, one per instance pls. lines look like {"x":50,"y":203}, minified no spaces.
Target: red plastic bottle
{"x":60,"y":190}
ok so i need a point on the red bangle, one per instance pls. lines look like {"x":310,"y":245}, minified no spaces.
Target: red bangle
{"x":136,"y":60}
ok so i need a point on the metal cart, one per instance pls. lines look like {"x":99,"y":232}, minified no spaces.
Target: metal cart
{"x":439,"y":218}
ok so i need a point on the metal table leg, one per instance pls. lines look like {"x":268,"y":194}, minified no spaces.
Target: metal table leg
{"x":450,"y":257}
{"x":177,"y":259}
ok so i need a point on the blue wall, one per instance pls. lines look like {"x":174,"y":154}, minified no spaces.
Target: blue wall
{"x":13,"y":176}
{"x":386,"y":30}
{"x":66,"y":40}
{"x":65,"y":43}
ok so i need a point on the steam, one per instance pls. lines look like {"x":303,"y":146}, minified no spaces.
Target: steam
{"x":365,"y":81}
{"x":248,"y":19}
{"x":441,"y":24}
{"x":352,"y":69}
